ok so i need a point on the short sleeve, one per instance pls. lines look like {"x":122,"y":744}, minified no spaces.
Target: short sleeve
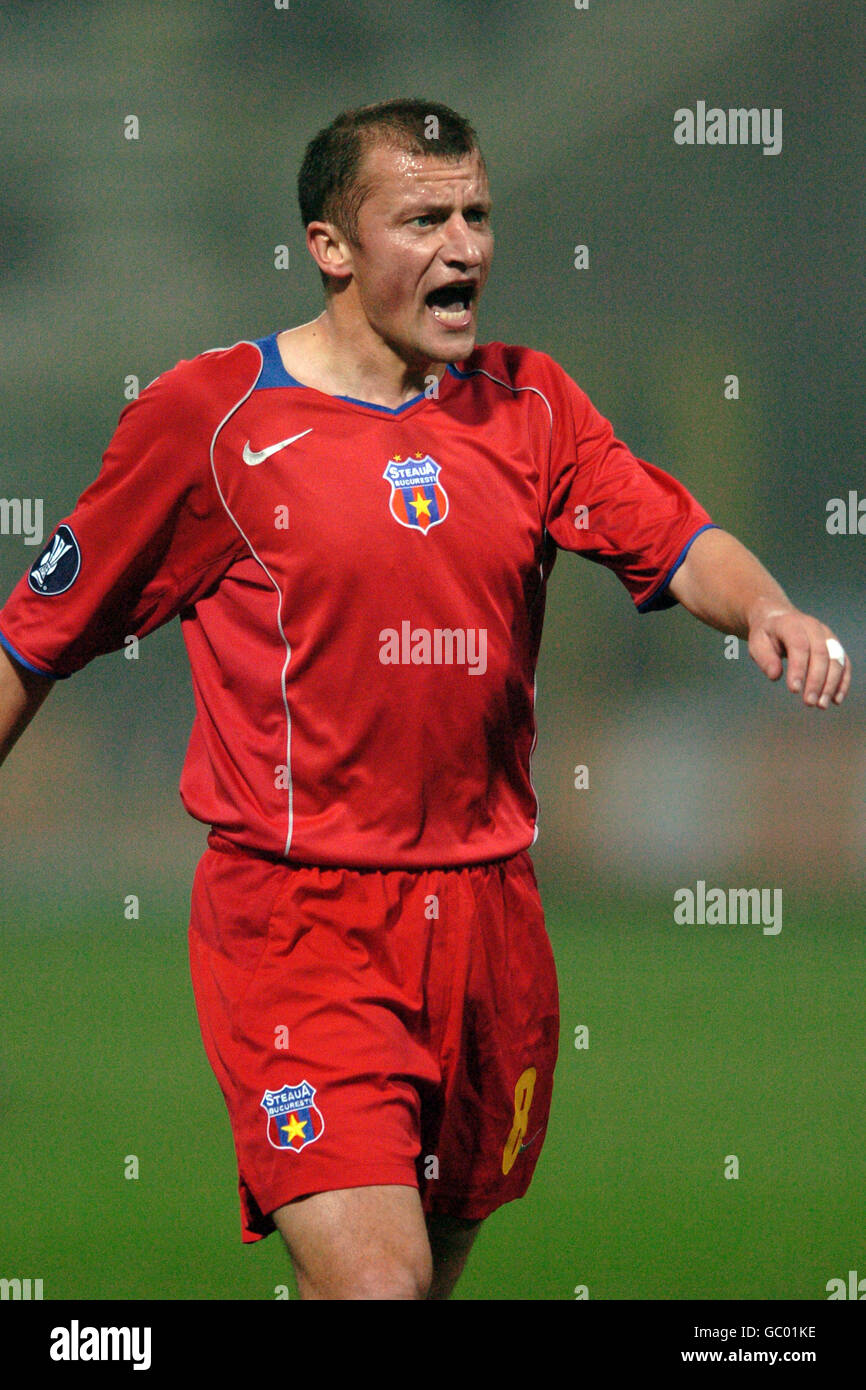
{"x":146,"y":539}
{"x":611,"y":507}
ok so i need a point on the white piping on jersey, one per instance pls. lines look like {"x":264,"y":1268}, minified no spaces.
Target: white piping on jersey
{"x":480,"y":371}
{"x":261,"y":562}
{"x":531,"y":751}
{"x":532,"y":748}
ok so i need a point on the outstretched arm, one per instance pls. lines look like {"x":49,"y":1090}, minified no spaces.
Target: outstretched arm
{"x":724,"y":585}
{"x":21,"y":694}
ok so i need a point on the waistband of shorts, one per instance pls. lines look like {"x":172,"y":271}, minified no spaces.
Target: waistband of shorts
{"x":223,"y":845}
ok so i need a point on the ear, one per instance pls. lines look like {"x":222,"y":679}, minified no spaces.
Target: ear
{"x":330,"y":249}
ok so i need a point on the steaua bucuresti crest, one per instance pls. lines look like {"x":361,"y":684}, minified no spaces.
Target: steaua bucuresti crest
{"x":294,"y":1119}
{"x":417,"y":498}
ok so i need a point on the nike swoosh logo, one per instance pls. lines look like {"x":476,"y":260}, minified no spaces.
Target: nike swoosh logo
{"x":254,"y":456}
{"x":530,"y":1141}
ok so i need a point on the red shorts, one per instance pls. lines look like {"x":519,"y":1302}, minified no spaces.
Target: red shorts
{"x":373,"y":1027}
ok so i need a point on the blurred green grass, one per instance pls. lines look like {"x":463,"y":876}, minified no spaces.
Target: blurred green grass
{"x":703,"y":1042}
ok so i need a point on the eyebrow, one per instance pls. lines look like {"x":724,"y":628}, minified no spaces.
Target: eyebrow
{"x":417,"y":204}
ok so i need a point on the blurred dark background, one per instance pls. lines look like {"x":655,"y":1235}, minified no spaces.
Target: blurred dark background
{"x":120,"y":257}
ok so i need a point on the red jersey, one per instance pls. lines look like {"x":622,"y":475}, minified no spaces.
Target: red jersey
{"x":361,"y":590}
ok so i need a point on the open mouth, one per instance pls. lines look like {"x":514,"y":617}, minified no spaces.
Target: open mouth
{"x":452,"y":304}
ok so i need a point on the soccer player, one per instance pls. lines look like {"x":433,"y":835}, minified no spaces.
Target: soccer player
{"x":355,"y":520}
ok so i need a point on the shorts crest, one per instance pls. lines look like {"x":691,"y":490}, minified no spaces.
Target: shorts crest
{"x":294,"y":1119}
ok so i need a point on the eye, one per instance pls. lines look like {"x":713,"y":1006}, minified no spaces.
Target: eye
{"x":426,"y":217}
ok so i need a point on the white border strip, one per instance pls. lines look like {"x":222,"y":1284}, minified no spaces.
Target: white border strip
{"x":480,"y":371}
{"x":261,"y":562}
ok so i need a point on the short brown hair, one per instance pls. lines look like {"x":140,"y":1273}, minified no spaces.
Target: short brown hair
{"x":330,"y":185}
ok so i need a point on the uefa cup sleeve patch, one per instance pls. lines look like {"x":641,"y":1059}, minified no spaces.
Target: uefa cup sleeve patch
{"x":418,"y":500}
{"x":56,"y":569}
{"x":294,"y":1119}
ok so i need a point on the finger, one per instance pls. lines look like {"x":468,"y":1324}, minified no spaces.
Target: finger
{"x":817,"y":673}
{"x":843,"y":690}
{"x":836,"y":670}
{"x":765,"y":653}
{"x":798,"y":650}
{"x":846,"y":681}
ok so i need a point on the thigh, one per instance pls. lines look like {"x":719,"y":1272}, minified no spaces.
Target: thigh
{"x":358,"y":1243}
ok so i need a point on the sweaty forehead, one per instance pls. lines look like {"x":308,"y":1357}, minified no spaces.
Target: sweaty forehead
{"x":394,"y":174}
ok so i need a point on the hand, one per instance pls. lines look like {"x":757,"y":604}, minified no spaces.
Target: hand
{"x":775,"y":633}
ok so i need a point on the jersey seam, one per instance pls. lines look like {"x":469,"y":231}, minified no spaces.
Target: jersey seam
{"x":536,"y":390}
{"x":237,"y":405}
{"x":542,"y":507}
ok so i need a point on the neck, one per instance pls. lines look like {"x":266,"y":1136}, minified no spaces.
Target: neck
{"x":361,"y":364}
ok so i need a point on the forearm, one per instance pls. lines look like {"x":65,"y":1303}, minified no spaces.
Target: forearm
{"x":21,"y":694}
{"x":723,"y":584}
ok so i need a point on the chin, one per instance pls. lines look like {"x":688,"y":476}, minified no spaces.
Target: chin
{"x":454,"y":346}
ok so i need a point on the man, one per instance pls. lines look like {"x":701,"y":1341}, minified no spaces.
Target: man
{"x":355,"y":520}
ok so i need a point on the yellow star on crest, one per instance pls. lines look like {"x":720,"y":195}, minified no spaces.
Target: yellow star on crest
{"x":421,"y":505}
{"x":294,"y":1129}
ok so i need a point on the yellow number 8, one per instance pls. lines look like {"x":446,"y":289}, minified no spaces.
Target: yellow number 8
{"x":523,"y":1093}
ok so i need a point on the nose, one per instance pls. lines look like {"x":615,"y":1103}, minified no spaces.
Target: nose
{"x":463,"y":243}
